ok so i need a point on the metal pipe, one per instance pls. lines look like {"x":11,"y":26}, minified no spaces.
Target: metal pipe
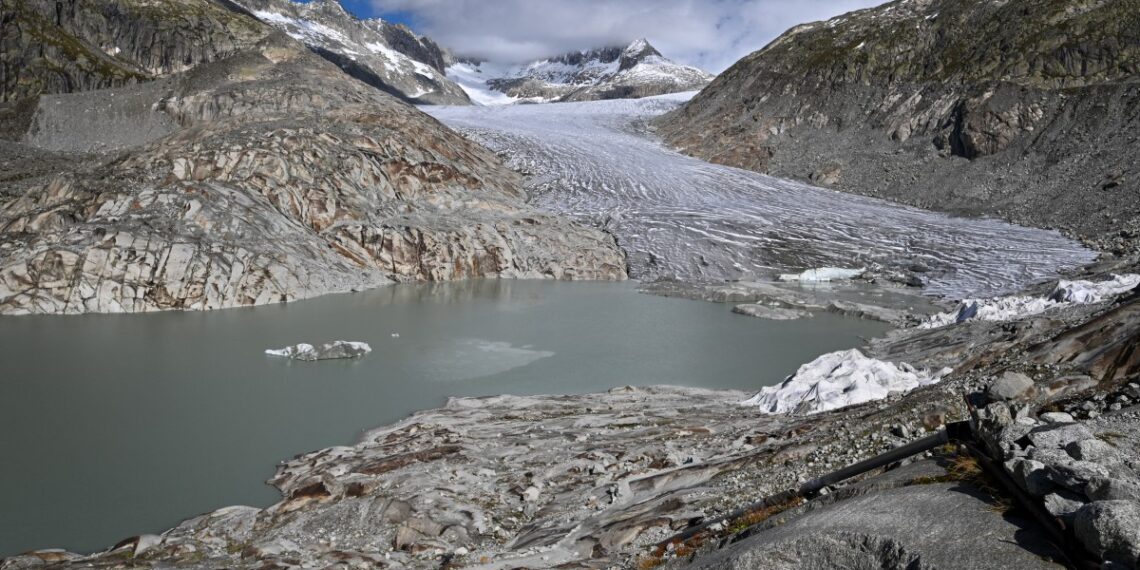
{"x":952,"y":432}
{"x":813,"y":487}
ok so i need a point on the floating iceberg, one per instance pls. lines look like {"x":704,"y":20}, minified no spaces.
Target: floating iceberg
{"x":1020,"y":306}
{"x":823,"y":274}
{"x":840,"y":379}
{"x":327,"y":351}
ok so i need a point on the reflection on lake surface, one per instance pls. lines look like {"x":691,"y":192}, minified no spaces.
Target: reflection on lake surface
{"x":115,"y":425}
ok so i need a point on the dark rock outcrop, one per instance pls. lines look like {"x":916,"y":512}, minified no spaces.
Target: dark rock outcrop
{"x":1026,"y":109}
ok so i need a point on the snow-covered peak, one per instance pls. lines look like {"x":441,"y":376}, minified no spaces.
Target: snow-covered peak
{"x":388,"y":56}
{"x":614,"y":72}
{"x":637,"y":52}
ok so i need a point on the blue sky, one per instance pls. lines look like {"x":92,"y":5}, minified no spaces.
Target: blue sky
{"x":365,"y":9}
{"x":710,"y":34}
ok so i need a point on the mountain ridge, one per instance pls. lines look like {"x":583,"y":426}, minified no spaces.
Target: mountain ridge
{"x":388,"y":56}
{"x":633,"y":70}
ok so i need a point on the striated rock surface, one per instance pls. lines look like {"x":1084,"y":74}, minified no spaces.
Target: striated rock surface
{"x":1026,"y":109}
{"x":385,"y":55}
{"x":509,"y":482}
{"x":263,"y":177}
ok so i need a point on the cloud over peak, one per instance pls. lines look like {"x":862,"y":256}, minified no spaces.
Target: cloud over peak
{"x":710,"y":34}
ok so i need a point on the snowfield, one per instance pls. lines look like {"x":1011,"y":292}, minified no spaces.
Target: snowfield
{"x":679,"y":217}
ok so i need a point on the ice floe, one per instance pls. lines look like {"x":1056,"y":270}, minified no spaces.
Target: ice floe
{"x":840,"y":379}
{"x":327,"y":351}
{"x":823,"y":274}
{"x":1019,"y":306}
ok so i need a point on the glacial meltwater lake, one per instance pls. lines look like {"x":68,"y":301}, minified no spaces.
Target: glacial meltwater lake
{"x":116,"y":425}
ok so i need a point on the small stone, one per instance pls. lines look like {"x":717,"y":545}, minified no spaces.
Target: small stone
{"x":1057,"y":418}
{"x":1110,"y":529}
{"x":1011,"y":386}
{"x":1063,"y":504}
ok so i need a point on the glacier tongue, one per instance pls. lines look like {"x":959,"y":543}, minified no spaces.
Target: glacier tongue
{"x":679,"y":217}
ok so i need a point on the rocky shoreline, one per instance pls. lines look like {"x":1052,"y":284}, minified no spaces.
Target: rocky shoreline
{"x":599,"y":480}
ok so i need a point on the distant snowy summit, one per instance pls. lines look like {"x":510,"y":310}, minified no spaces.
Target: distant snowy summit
{"x":636,"y":70}
{"x":387,"y":56}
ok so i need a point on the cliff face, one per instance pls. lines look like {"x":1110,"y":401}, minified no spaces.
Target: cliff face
{"x":49,"y":46}
{"x":1025,"y":109}
{"x":263,"y":176}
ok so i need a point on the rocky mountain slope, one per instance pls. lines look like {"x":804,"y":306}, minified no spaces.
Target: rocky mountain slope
{"x":385,"y":55}
{"x":1023,"y":109}
{"x":636,"y":70}
{"x":264,"y":175}
{"x":60,"y":47}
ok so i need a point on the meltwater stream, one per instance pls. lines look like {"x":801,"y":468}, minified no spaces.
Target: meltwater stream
{"x":684,"y":218}
{"x":116,"y":425}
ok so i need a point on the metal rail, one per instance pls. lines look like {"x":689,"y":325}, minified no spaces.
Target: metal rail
{"x":957,"y":432}
{"x":811,"y":489}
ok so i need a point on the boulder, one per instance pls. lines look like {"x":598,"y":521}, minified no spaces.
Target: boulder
{"x":1032,"y":476}
{"x":1110,"y":529}
{"x":1109,"y":488}
{"x":1011,"y":386}
{"x":1058,"y":436}
{"x":1093,"y":450}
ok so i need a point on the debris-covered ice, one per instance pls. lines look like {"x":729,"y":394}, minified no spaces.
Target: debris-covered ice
{"x":679,"y":217}
{"x":1020,"y":306}
{"x":328,"y":351}
{"x":840,"y":379}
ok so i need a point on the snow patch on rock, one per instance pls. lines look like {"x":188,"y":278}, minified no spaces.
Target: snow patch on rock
{"x":1019,"y":306}
{"x":839,"y":379}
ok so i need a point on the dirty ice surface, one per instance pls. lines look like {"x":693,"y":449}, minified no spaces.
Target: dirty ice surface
{"x":679,"y":217}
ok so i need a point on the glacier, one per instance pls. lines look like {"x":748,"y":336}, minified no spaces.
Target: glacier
{"x":682,"y":218}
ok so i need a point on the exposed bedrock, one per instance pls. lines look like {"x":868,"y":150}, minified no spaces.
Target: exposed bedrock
{"x":265,"y":177}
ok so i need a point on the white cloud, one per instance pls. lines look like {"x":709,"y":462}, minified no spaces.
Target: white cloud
{"x":711,"y":34}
